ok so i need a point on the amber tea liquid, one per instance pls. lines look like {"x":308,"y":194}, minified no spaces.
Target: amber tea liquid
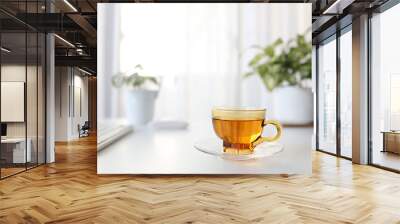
{"x":238,"y":135}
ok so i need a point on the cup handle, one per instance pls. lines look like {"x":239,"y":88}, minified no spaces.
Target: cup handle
{"x":278,"y":134}
{"x":278,"y":130}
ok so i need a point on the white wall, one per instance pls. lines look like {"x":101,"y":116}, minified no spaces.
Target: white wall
{"x":69,"y":82}
{"x":33,"y":126}
{"x":14,"y":73}
{"x":11,"y":73}
{"x":61,"y":103}
{"x":79,"y":117}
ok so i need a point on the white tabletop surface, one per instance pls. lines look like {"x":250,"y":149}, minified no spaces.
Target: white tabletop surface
{"x":154,"y":151}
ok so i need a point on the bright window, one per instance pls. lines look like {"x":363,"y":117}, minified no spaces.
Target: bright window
{"x":385,"y":85}
{"x":327,"y":96}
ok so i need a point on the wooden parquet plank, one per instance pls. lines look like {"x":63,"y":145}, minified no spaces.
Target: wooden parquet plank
{"x":70,"y":191}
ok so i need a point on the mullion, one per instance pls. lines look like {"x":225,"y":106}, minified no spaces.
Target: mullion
{"x":338,"y":93}
{"x":317,"y":96}
{"x":369,"y":95}
{"x":26,"y":87}
{"x":37,"y":90}
{"x":44,"y":69}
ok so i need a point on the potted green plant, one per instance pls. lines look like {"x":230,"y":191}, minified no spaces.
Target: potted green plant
{"x":143,"y":91}
{"x":285,"y":69}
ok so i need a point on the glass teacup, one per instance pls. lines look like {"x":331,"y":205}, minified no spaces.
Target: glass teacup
{"x":241,"y":128}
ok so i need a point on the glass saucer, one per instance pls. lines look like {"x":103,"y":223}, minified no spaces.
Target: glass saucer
{"x":213,"y":146}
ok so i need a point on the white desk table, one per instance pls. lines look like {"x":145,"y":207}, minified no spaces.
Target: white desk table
{"x":151,"y":151}
{"x":19,"y":155}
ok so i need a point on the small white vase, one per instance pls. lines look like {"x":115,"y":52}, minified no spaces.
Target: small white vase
{"x":140,"y":106}
{"x":293,"y":105}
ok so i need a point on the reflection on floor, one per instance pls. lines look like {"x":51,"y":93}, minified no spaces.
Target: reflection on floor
{"x":386,"y":159}
{"x":12,"y":168}
{"x":346,"y":152}
{"x":10,"y":171}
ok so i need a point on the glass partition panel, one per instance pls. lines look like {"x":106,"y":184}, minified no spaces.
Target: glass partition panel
{"x":32,"y":98}
{"x":14,"y":153}
{"x":327,"y":96}
{"x":41,"y":98}
{"x":385,"y":87}
{"x":346,"y":94}
{"x":23,"y":90}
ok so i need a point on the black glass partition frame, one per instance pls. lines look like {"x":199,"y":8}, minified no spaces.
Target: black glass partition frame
{"x":22,"y":77}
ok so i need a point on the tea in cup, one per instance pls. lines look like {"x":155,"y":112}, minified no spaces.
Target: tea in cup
{"x":241,"y":128}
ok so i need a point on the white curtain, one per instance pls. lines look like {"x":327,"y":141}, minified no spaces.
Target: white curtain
{"x":201,"y":51}
{"x":108,"y":54}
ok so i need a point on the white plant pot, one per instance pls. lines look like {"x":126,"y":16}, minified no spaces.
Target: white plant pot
{"x":140,"y":106}
{"x":293,"y":105}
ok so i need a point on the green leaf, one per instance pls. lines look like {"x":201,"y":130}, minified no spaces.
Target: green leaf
{"x":256,"y":59}
{"x":279,"y":41}
{"x":270,"y":51}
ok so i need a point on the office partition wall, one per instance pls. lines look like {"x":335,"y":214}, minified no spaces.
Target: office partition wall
{"x":14,"y":147}
{"x":385,"y":89}
{"x":334,"y":101}
{"x":23,"y":87}
{"x":32,"y":101}
{"x":41,"y":99}
{"x":383,"y":72}
{"x":345,"y":65}
{"x":327,"y":95}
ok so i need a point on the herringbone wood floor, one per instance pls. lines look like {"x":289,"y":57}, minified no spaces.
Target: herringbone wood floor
{"x":69,"y":191}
